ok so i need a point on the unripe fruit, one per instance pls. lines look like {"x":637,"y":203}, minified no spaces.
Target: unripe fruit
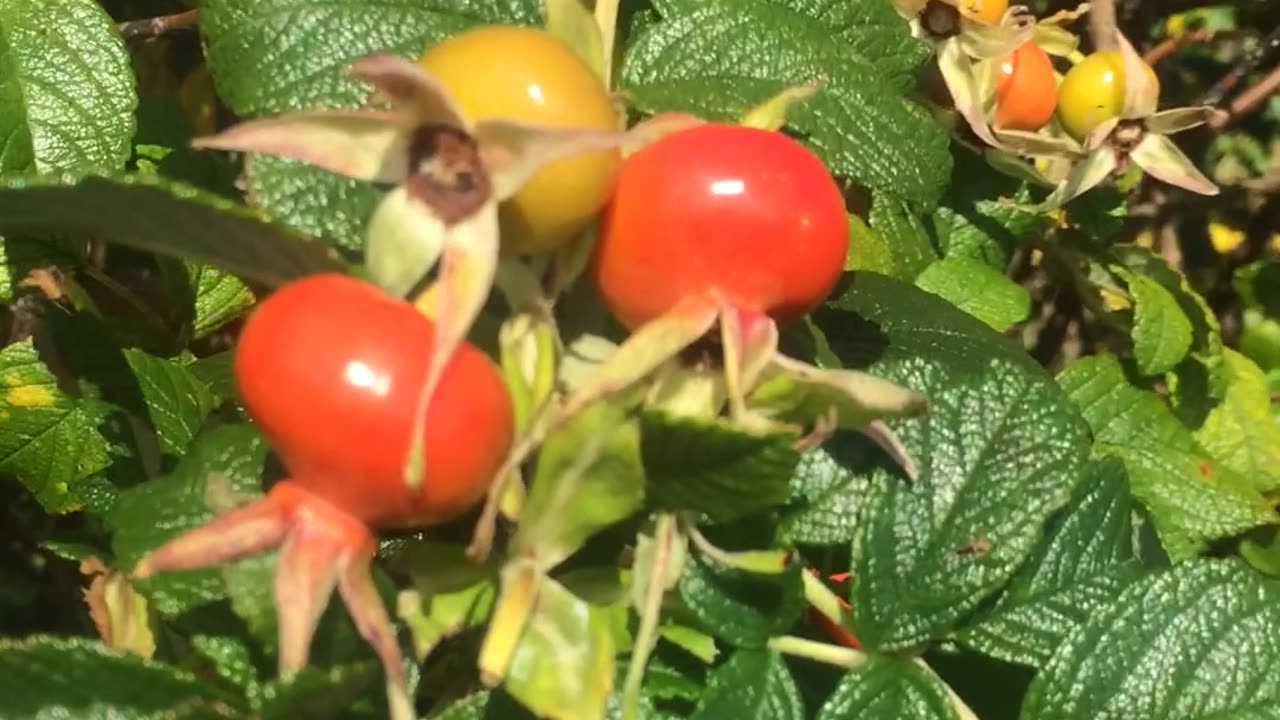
{"x":331,"y":369}
{"x":530,"y":76}
{"x":1092,"y":93}
{"x":749,"y":214}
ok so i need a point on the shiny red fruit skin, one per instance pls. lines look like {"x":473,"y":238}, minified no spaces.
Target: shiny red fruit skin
{"x":330,"y":368}
{"x":748,"y":213}
{"x":1027,"y":91}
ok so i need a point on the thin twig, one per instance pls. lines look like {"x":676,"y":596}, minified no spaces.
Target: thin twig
{"x":1102,"y":25}
{"x":150,"y":27}
{"x":1249,"y":100}
{"x":1250,"y":62}
{"x":1171,"y":45}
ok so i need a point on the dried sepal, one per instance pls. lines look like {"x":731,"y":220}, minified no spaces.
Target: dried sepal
{"x":1176,"y":120}
{"x":403,"y":240}
{"x":1084,"y":176}
{"x":749,"y":342}
{"x":1159,"y":157}
{"x":648,"y":348}
{"x":365,"y":145}
{"x":962,"y":81}
{"x":1141,"y":92}
{"x":514,"y":152}
{"x":1056,"y":40}
{"x":468,"y":266}
{"x":654,"y":128}
{"x":408,"y":87}
{"x":772,"y":113}
{"x":988,"y":42}
{"x":1039,"y":144}
{"x":790,"y":388}
{"x":1015,"y":167}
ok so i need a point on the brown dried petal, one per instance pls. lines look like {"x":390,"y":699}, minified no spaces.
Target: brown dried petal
{"x":447,"y":173}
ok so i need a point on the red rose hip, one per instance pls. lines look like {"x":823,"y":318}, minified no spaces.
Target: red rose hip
{"x":331,"y":368}
{"x":748,"y":214}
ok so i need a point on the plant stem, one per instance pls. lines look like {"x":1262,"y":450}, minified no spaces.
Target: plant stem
{"x":607,"y":16}
{"x":151,"y":27}
{"x":822,"y":599}
{"x":1102,"y":25}
{"x":963,"y":711}
{"x":818,"y":651}
{"x":664,"y":536}
{"x":1249,"y":100}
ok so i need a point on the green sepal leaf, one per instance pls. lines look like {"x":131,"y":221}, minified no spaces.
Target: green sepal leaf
{"x":744,"y":609}
{"x":1081,"y":565}
{"x":43,"y":676}
{"x":755,"y":683}
{"x":49,"y":441}
{"x":719,"y":59}
{"x":589,"y":476}
{"x":888,"y":687}
{"x":1201,"y":640}
{"x":150,"y":514}
{"x":1192,"y":498}
{"x":164,"y":217}
{"x":714,"y":468}
{"x":999,"y":451}
{"x":979,"y":290}
{"x":68,"y":89}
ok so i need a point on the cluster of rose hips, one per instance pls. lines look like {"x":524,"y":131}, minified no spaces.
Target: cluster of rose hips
{"x":1080,"y":126}
{"x":502,"y":148}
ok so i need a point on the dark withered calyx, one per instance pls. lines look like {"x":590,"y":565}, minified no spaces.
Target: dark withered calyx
{"x":447,"y":173}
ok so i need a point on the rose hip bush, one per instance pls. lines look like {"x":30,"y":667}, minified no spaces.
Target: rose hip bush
{"x":639,"y":359}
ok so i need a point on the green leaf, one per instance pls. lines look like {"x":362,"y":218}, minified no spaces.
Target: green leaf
{"x":48,"y":440}
{"x":156,"y":215}
{"x":1260,"y":339}
{"x":45,"y":677}
{"x":828,"y":493}
{"x":589,"y":477}
{"x":1192,"y":498}
{"x":867,"y":249}
{"x":220,"y":297}
{"x":20,"y":255}
{"x":318,"y":694}
{"x":979,"y":290}
{"x":1083,"y":563}
{"x":1205,"y":330}
{"x":66,"y":88}
{"x":310,"y":44}
{"x":904,"y":234}
{"x":176,"y":400}
{"x":563,"y":663}
{"x":999,"y":451}
{"x":155,"y":512}
{"x":713,"y":467}
{"x":1196,"y":642}
{"x":216,"y":372}
{"x":719,"y":58}
{"x":972,"y":223}
{"x":754,"y":683}
{"x":1161,"y":330}
{"x":745,"y":609}
{"x":888,"y":687}
{"x":231,"y":659}
{"x":1239,"y":431}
